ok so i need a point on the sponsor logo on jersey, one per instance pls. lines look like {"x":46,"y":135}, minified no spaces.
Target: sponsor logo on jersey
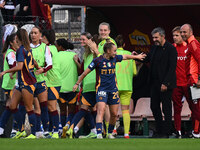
{"x":92,"y":64}
{"x":102,"y":93}
{"x":182,"y":58}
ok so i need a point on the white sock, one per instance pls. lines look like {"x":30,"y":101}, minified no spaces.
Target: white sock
{"x":39,"y":134}
{"x":126,"y":135}
{"x":76,"y":129}
{"x":179,"y":132}
{"x":13,"y":131}
{"x":94,"y":130}
{"x":1,"y":131}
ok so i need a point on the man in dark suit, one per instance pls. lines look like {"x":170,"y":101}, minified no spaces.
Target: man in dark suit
{"x":162,"y":78}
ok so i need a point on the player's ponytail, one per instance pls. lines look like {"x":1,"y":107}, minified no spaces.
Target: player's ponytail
{"x":23,"y":38}
{"x":10,"y":38}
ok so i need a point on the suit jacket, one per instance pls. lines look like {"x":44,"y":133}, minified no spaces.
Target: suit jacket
{"x":167,"y":65}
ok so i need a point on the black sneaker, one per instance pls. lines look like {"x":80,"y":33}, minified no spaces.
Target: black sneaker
{"x":177,"y":135}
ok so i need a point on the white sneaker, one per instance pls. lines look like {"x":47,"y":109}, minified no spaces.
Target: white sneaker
{"x":110,"y":136}
{"x":1,"y":131}
{"x":99,"y":136}
{"x":195,"y":135}
{"x":39,"y":135}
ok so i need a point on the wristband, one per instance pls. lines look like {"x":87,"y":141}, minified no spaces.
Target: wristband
{"x":98,"y":55}
{"x":76,"y":83}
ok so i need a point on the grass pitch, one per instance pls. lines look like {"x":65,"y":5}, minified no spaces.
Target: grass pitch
{"x":100,"y":144}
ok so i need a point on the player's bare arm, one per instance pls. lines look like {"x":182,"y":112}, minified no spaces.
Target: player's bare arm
{"x":81,"y":78}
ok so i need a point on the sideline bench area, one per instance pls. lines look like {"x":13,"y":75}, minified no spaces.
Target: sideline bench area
{"x":143,"y":113}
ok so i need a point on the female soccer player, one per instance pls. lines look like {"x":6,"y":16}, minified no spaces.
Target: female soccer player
{"x":9,"y":49}
{"x":124,"y":73}
{"x":26,"y":79}
{"x":106,"y":89}
{"x":42,"y":56}
{"x":69,"y":76}
{"x":53,"y":80}
{"x":88,"y":100}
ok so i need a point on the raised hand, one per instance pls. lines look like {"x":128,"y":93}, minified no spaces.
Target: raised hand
{"x":93,"y":46}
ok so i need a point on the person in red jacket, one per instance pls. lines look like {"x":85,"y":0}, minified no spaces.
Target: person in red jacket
{"x":192,"y":72}
{"x":181,"y":81}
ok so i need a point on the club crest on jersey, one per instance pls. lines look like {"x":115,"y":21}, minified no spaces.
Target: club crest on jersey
{"x":109,"y":64}
{"x":104,"y":64}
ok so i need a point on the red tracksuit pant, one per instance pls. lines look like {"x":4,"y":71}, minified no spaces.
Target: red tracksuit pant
{"x":177,"y":96}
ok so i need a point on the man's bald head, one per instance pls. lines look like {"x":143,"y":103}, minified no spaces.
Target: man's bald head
{"x":186,"y":31}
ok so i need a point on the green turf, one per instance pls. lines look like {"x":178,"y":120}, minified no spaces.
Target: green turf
{"x":99,"y":144}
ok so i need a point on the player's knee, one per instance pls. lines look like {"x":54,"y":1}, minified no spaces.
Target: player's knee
{"x":30,"y":108}
{"x":85,"y":107}
{"x":100,"y":112}
{"x":113,"y":115}
{"x":12,"y":106}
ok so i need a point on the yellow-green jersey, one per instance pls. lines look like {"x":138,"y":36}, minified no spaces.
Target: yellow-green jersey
{"x":89,"y":81}
{"x":103,"y":42}
{"x":53,"y":77}
{"x":125,"y":71}
{"x":9,"y":62}
{"x":42,"y":55}
{"x":68,"y":70}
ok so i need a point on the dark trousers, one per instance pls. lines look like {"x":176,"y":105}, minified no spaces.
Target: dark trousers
{"x":158,"y":97}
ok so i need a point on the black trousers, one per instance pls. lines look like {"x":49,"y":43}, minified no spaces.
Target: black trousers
{"x":158,"y":97}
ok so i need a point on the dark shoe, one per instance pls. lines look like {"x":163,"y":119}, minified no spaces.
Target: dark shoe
{"x":177,"y":135}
